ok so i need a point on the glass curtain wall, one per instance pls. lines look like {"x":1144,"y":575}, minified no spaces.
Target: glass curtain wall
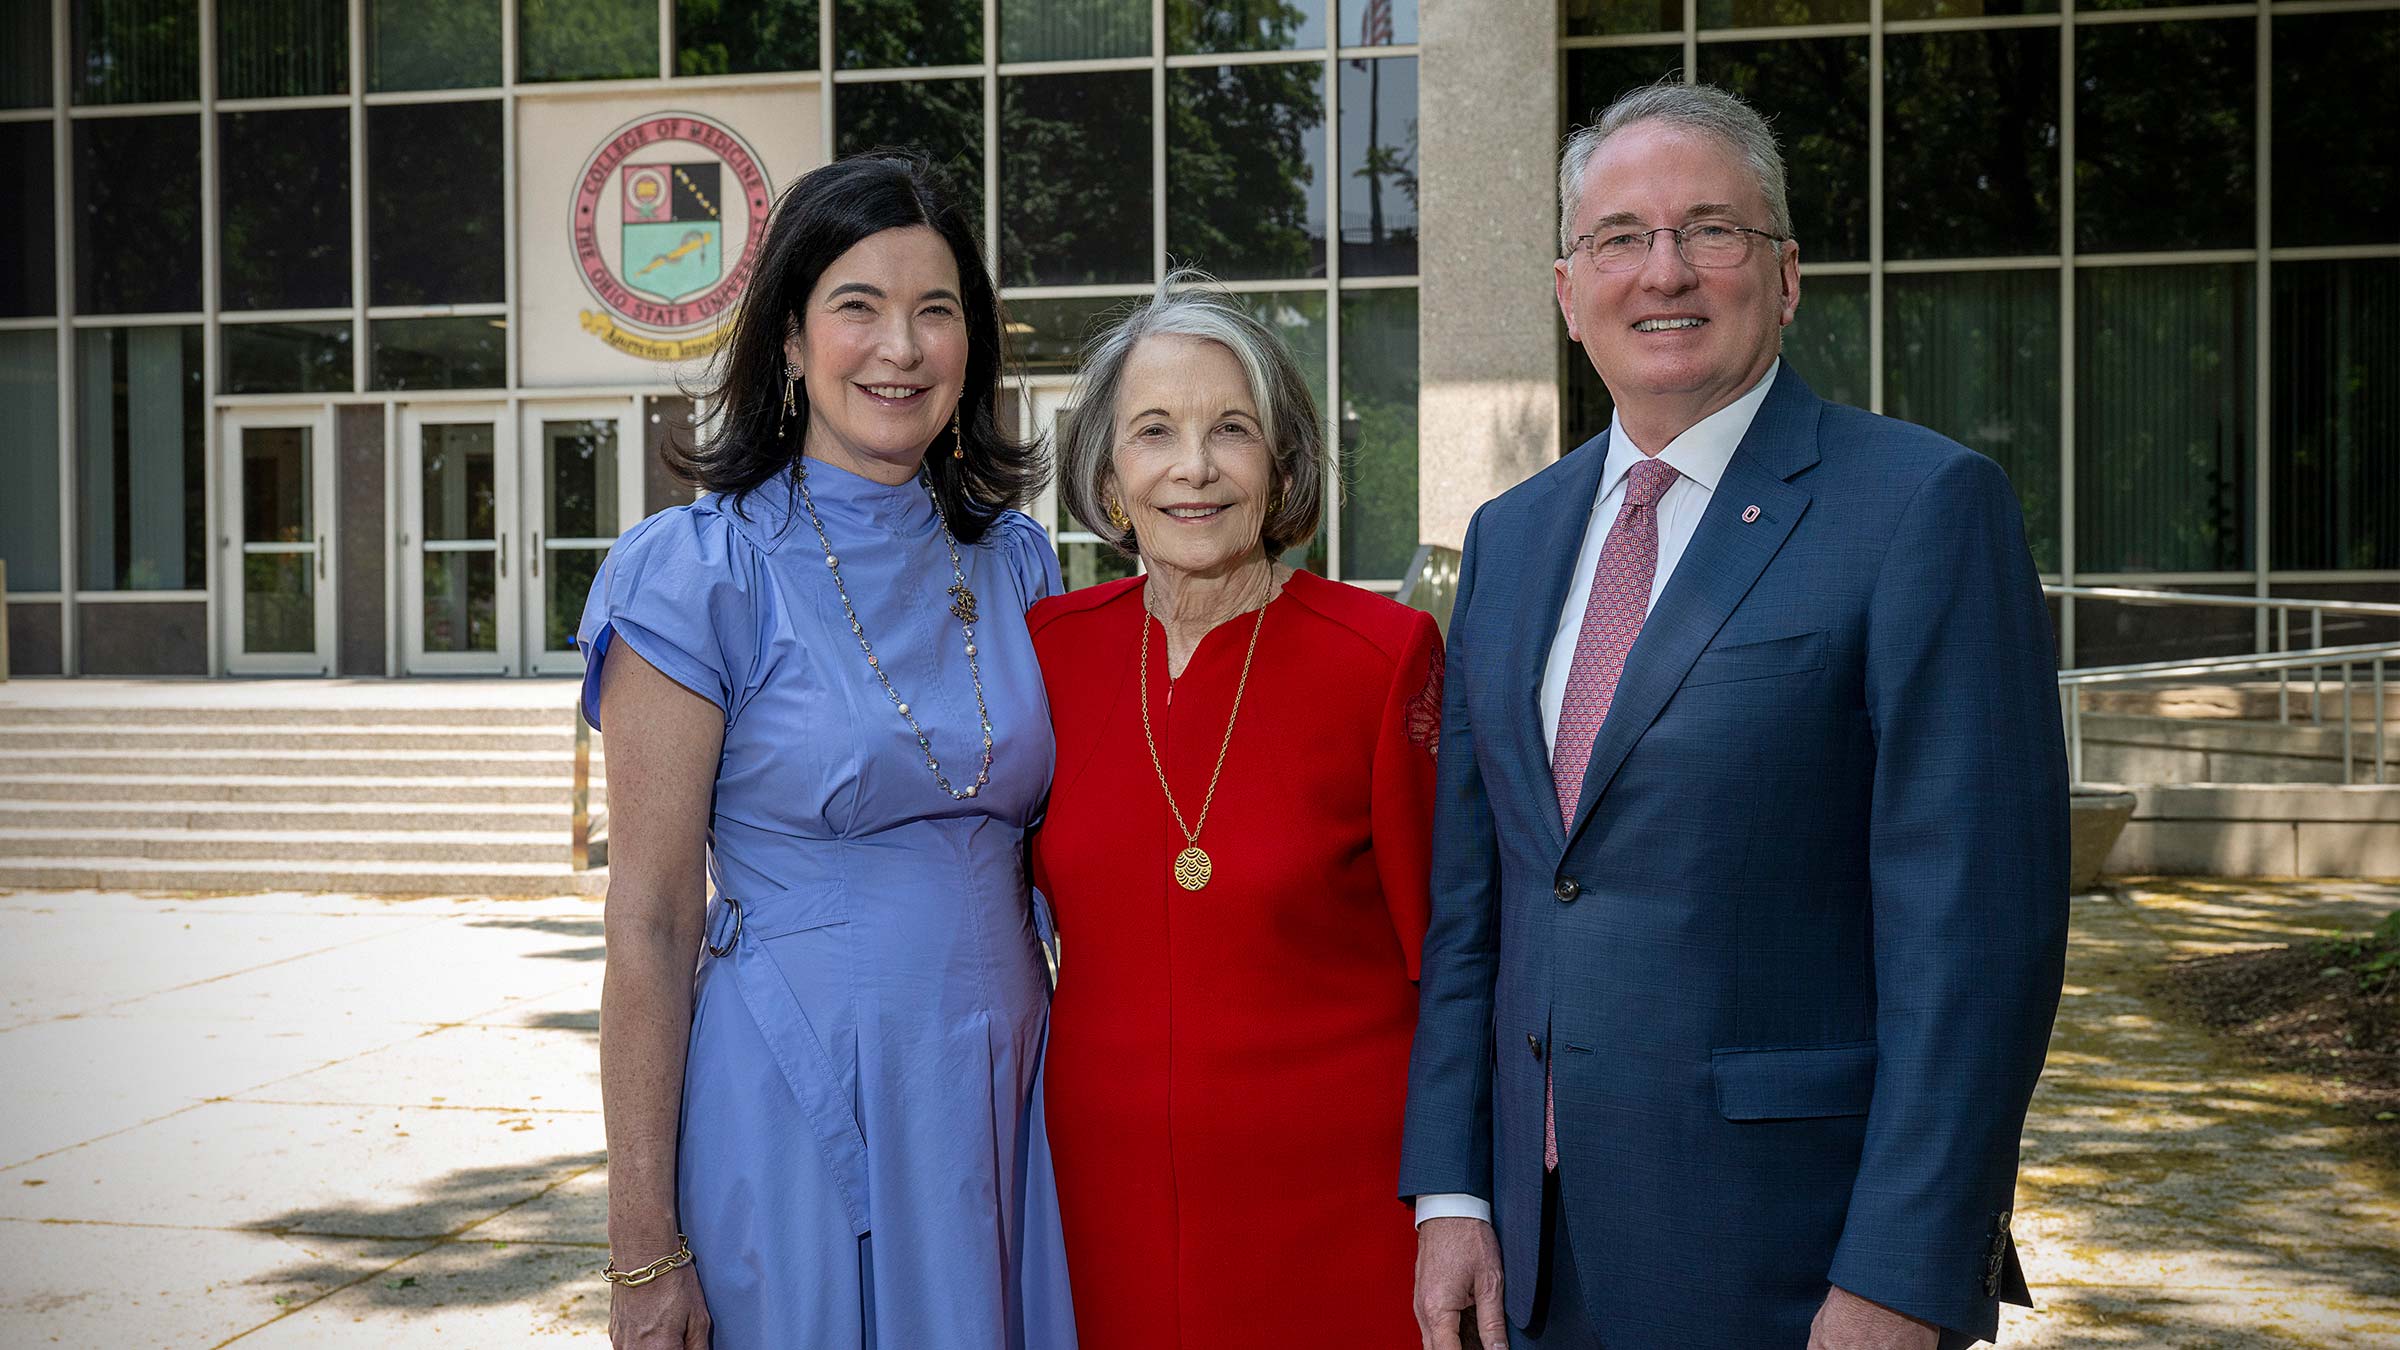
{"x":2046,"y":229}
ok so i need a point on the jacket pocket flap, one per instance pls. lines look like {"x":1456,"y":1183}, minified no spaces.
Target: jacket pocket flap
{"x":1794,"y":1082}
{"x":1758,"y":660}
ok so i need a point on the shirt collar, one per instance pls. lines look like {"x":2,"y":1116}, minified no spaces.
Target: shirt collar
{"x":1702,"y":451}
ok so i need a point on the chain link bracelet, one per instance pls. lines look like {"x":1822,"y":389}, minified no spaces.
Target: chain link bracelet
{"x":682,"y":1256}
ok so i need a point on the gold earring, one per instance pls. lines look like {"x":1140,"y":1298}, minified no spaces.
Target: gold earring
{"x":1116,"y":517}
{"x":958,"y":439}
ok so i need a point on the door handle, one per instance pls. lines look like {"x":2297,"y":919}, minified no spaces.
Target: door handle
{"x":536,"y":559}
{"x":504,"y":554}
{"x":320,"y":557}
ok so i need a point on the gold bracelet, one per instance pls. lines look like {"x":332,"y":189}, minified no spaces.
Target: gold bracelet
{"x":682,"y":1256}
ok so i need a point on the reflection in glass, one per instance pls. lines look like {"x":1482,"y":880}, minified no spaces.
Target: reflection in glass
{"x":284,"y":209}
{"x":587,"y":39}
{"x":2162,"y":418}
{"x":1073,"y":30}
{"x":278,"y":485}
{"x":1379,"y":167}
{"x":1779,"y":13}
{"x":461,"y":601}
{"x":139,"y":476}
{"x":286,"y":358}
{"x":464,"y":352}
{"x":1827,"y":343}
{"x":1075,"y":178}
{"x":134,"y":51}
{"x":566,"y":582}
{"x":461,"y":484}
{"x":1377,"y":23}
{"x":579,"y":471}
{"x":1244,"y":25}
{"x":730,"y":37}
{"x":1584,"y":402}
{"x":29,"y":474}
{"x":29,"y":266}
{"x":1378,"y":433}
{"x":434,"y":198}
{"x":282,"y":48}
{"x":433,"y":44}
{"x":2164,"y":163}
{"x":1814,"y":93}
{"x":2336,"y":452}
{"x":1974,"y":356}
{"x":887,"y":34}
{"x":1245,"y":165}
{"x":1964,"y":9}
{"x":1598,"y":76}
{"x":25,"y":58}
{"x":279,"y":602}
{"x":137,"y":215}
{"x":1971,"y":143}
{"x":942,"y":119}
{"x":1090,"y":564}
{"x":1047,"y":337}
{"x":1298,"y":317}
{"x":2337,"y":129}
{"x":1591,"y":18}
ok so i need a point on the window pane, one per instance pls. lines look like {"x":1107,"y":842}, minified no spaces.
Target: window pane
{"x":138,"y":435}
{"x":2337,"y":129}
{"x":433,"y":44}
{"x":284,"y":209}
{"x":1377,"y":23}
{"x":1244,"y":25}
{"x":135,"y":51}
{"x":1814,"y":93}
{"x":1827,"y":343}
{"x":466,"y":352}
{"x":587,"y":39}
{"x":1778,"y":13}
{"x":1379,"y":167}
{"x":1298,"y":317}
{"x":2162,"y":419}
{"x":286,"y":358}
{"x":1378,"y":429}
{"x":29,"y":471}
{"x":1964,"y":9}
{"x":1245,"y":169}
{"x":2336,"y":455}
{"x":579,"y":466}
{"x":1975,"y":357}
{"x":282,"y":48}
{"x":880,"y":34}
{"x":25,"y":57}
{"x":942,"y":119}
{"x":434,"y":204}
{"x":2164,"y":163}
{"x":1971,"y":143}
{"x":1046,"y":337}
{"x":1598,"y":76}
{"x":1584,"y":403}
{"x":1075,"y":178}
{"x":137,"y":219}
{"x":1073,"y":30}
{"x":1587,"y":18}
{"x":730,"y":37}
{"x":29,"y":266}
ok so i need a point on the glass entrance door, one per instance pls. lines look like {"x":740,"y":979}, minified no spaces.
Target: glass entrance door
{"x":459,"y":603}
{"x":583,"y":485}
{"x":278,"y":511}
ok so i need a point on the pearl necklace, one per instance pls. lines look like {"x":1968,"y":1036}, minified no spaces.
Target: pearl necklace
{"x":962,"y":607}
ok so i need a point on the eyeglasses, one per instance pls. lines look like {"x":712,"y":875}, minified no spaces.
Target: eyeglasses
{"x":1711,"y":243}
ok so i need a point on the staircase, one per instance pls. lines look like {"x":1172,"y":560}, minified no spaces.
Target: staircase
{"x":410,"y":787}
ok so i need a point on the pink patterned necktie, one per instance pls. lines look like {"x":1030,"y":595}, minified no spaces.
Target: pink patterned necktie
{"x":1612,"y":619}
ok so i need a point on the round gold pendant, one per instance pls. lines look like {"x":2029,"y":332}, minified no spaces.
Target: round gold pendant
{"x":1191,"y":868}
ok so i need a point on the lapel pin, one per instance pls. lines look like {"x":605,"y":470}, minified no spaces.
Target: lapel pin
{"x":1750,"y":514}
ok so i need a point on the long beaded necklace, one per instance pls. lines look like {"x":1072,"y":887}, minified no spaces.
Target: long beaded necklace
{"x":962,"y":607}
{"x":1193,"y":867}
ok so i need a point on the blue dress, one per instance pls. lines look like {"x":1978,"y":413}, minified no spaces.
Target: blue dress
{"x":862,"y":1160}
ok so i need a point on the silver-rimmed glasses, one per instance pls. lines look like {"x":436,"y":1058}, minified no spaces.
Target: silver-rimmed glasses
{"x":1708,"y":243}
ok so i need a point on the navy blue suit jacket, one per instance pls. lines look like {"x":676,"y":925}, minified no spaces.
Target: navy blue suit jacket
{"x":1794,"y":962}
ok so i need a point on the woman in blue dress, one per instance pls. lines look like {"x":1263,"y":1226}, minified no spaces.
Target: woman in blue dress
{"x":819,"y":694}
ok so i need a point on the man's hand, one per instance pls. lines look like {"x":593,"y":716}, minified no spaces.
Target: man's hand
{"x":1846,"y":1322}
{"x":1458,"y":1270}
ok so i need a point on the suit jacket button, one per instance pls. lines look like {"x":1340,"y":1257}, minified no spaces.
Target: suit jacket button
{"x":1566,"y":890}
{"x":1533,"y":1043}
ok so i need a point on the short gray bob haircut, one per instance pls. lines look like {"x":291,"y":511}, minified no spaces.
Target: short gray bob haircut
{"x":1190,"y":304}
{"x":1702,"y":108}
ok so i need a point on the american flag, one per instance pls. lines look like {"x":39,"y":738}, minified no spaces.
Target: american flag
{"x":1374,"y":27}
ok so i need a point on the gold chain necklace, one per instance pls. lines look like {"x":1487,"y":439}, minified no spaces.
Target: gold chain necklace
{"x":1192,"y":866}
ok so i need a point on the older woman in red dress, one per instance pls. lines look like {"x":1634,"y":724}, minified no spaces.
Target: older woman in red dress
{"x":1236,"y":853}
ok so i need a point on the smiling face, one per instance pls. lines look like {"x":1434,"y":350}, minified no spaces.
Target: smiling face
{"x":882,"y":352}
{"x":1191,"y":462}
{"x":1674,"y":342}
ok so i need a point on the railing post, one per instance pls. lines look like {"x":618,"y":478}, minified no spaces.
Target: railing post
{"x":2283,"y":678}
{"x":579,"y":804}
{"x":2348,"y":775}
{"x":2316,"y":674}
{"x":2380,"y":718}
{"x":2075,"y":731}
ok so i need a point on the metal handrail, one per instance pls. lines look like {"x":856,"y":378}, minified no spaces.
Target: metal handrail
{"x":2136,"y":595}
{"x":2373,"y":655}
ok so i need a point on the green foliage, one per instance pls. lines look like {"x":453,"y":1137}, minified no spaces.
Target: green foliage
{"x":719,"y":37}
{"x":587,"y":39}
{"x":1243,"y":145}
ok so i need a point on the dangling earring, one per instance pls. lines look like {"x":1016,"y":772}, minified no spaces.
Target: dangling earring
{"x":791,"y":401}
{"x":1122,"y":523}
{"x":958,"y":439}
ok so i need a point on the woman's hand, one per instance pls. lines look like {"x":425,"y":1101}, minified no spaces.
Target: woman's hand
{"x":665,"y":1314}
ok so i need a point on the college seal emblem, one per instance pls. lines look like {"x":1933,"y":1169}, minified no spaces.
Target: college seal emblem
{"x":667,"y":220}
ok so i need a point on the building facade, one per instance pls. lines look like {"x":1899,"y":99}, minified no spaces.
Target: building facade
{"x":339,"y":336}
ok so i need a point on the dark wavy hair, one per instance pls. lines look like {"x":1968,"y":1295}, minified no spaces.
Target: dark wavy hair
{"x":818,"y":219}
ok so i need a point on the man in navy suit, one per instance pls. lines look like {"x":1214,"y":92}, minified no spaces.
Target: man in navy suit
{"x":1749,"y":908}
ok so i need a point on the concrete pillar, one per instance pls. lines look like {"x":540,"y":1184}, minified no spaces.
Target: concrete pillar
{"x":1487,"y":327}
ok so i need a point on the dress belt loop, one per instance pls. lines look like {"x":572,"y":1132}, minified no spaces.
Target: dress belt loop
{"x":734,"y":939}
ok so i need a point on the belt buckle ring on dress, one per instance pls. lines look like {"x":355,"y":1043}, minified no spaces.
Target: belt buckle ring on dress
{"x":735,"y":938}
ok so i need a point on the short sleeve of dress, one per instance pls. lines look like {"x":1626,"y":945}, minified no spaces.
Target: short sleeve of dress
{"x":1032,"y":558}
{"x":677,"y":588}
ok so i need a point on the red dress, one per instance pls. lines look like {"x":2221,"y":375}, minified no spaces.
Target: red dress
{"x":1227,"y":1066}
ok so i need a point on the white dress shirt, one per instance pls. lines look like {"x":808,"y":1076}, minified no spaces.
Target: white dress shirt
{"x":1699,"y":457}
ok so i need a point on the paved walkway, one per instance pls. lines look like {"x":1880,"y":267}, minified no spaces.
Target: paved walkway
{"x":322,"y":1121}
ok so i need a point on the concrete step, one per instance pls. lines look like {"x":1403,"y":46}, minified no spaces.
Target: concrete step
{"x":357,"y":846}
{"x":415,"y":817}
{"x":165,"y":737}
{"x":168,"y":711}
{"x":355,"y":790}
{"x":555,"y":765}
{"x":238,"y":874}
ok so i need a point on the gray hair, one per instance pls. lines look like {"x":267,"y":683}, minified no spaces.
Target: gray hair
{"x":1701,"y":108}
{"x":1189,"y":303}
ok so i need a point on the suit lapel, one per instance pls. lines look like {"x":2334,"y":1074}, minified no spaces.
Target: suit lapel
{"x":1549,"y":555}
{"x":1720,"y":564}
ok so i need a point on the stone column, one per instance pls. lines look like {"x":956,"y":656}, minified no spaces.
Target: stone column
{"x":1487,"y":327}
